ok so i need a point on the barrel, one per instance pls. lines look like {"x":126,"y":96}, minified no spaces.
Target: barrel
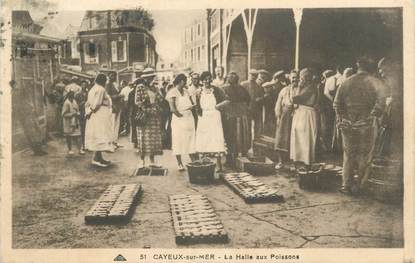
{"x":385,"y":181}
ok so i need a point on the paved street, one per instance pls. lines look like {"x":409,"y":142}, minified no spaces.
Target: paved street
{"x":51,"y":195}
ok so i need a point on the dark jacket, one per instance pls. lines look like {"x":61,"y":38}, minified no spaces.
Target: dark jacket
{"x":360,"y":96}
{"x":115,"y":97}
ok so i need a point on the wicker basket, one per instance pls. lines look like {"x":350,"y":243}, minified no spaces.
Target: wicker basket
{"x":310,"y":179}
{"x":257,"y":165}
{"x":201,"y":172}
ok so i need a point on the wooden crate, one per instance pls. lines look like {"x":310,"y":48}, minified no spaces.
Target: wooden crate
{"x":264,"y":146}
{"x":115,"y":205}
{"x":251,"y":189}
{"x":256,"y":165}
{"x":195,"y":220}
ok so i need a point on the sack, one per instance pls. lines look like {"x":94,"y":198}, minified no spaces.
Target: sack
{"x":140,"y":118}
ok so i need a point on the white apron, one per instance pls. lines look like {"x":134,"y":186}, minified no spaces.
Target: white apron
{"x":183,"y":128}
{"x":303,"y":135}
{"x":209,"y":134}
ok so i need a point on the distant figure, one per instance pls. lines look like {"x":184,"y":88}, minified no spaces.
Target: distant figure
{"x":236,"y":122}
{"x":72,"y":86}
{"x":283,"y":114}
{"x":326,"y":114}
{"x":116,"y":98}
{"x":124,"y":121}
{"x":71,"y":126}
{"x":194,"y":88}
{"x":331,"y":86}
{"x":219,"y":80}
{"x":304,"y":125}
{"x":99,"y":133}
{"x":359,"y":100}
{"x":271,"y":92}
{"x":209,"y":133}
{"x":183,"y":122}
{"x":81,"y":98}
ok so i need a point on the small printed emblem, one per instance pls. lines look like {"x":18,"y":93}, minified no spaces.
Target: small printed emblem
{"x":119,"y":258}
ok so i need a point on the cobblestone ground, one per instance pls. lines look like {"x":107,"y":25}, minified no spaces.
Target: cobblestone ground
{"x":52,"y":194}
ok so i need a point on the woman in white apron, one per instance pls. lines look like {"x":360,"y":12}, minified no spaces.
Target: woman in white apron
{"x":209,"y":133}
{"x":183,"y":123}
{"x":98,"y":110}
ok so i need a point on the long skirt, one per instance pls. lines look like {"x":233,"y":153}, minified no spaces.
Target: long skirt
{"x":209,"y":133}
{"x":237,"y":134}
{"x":98,"y":131}
{"x":303,"y":135}
{"x":183,"y":134}
{"x":149,"y":137}
{"x":283,"y":132}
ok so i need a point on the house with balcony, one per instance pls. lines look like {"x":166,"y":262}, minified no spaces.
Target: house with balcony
{"x":117,"y":40}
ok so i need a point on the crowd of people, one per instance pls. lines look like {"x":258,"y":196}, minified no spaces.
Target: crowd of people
{"x":199,"y":115}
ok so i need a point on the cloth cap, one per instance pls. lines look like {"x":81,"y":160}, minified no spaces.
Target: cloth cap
{"x":268,"y":84}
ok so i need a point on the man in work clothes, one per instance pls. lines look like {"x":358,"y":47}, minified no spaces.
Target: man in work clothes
{"x":359,"y":100}
{"x":256,"y":94}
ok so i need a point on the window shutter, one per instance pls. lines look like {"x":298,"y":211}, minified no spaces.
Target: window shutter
{"x":86,"y":53}
{"x":125,"y":50}
{"x":114,"y":51}
{"x":97,"y":54}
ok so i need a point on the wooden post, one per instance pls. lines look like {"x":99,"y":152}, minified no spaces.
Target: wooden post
{"x":298,"y":14}
{"x":249,"y":25}
{"x":109,"y":54}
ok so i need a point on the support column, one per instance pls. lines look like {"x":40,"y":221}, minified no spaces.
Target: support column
{"x":249,"y":25}
{"x":298,"y":14}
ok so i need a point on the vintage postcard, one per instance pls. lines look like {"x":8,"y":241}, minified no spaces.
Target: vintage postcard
{"x":207,"y":131}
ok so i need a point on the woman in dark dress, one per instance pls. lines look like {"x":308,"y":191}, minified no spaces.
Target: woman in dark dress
{"x":236,"y":124}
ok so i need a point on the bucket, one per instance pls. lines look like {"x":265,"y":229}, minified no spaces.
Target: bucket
{"x":201,"y":172}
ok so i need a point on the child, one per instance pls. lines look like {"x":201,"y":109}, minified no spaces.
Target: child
{"x":71,"y":127}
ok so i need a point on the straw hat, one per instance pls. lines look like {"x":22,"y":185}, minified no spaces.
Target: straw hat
{"x":148,"y":72}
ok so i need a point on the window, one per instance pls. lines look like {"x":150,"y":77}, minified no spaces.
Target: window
{"x":171,"y":65}
{"x":162,"y":66}
{"x":91,"y":53}
{"x":198,"y":53}
{"x":119,"y":50}
{"x":191,"y":56}
{"x":198,"y":29}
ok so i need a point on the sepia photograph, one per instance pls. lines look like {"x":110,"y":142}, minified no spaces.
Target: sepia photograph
{"x":205,"y":128}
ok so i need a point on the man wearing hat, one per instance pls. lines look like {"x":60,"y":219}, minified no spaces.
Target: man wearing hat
{"x":148,"y":75}
{"x":256,"y":94}
{"x":72,"y":86}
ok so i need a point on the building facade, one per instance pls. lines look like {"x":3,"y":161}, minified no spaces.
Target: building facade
{"x":194,"y":55}
{"x":283,"y":39}
{"x":166,"y":70}
{"x":115,"y":40}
